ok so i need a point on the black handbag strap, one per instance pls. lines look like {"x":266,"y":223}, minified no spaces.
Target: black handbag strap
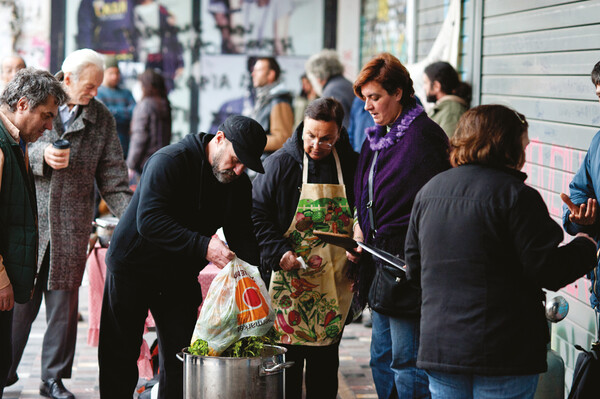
{"x":370,"y":203}
{"x":597,"y":324}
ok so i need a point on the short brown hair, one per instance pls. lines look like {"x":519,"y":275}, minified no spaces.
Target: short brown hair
{"x":489,"y":135}
{"x":325,"y":109}
{"x":389,"y":72}
{"x":273,"y":65}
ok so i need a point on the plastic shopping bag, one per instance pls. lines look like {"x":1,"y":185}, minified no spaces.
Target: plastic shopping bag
{"x":237,"y":305}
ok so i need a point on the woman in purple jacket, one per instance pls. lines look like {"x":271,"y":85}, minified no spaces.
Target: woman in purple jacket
{"x":402,"y":152}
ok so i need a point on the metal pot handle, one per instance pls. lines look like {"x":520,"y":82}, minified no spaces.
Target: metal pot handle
{"x":263,"y":371}
{"x":179,"y":356}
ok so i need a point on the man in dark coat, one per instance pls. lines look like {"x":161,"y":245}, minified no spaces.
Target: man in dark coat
{"x":27,"y":107}
{"x":186,"y":192}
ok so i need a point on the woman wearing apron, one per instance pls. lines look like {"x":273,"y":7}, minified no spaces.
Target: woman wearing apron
{"x":307,"y":187}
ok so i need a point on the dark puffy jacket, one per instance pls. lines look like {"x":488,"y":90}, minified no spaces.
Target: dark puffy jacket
{"x":482,"y":245}
{"x":276,"y":193}
{"x":18,"y":219}
{"x":150,"y":130}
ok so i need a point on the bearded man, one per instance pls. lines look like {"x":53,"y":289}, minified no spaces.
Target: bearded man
{"x":187,"y":191}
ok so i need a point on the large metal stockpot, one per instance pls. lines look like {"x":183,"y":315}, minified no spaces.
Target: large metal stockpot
{"x":211,"y":377}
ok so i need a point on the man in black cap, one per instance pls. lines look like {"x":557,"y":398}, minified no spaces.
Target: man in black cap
{"x":166,"y":236}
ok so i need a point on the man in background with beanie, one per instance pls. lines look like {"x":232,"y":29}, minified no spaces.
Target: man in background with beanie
{"x":187,"y":191}
{"x":64,"y":183}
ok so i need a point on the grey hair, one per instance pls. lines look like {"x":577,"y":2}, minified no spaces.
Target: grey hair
{"x":78,"y":60}
{"x":35,"y":85}
{"x":324,"y":64}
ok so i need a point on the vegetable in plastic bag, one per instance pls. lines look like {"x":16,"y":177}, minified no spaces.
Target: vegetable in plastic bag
{"x":245,"y":347}
{"x":237,"y":305}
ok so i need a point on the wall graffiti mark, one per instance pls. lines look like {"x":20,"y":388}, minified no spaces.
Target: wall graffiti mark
{"x":383,"y":25}
{"x":25,"y":31}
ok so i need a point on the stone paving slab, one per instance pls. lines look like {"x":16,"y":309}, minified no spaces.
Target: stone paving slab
{"x":355,"y":379}
{"x":84,"y":383}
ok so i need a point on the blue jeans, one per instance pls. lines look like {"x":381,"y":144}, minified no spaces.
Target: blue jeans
{"x":468,"y":386}
{"x":394,"y":346}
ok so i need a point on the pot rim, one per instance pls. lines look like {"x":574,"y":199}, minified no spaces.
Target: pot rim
{"x":280,"y":351}
{"x":107,"y":222}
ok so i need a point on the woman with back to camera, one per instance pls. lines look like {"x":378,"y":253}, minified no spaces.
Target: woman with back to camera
{"x":401,"y":153}
{"x":151,"y":121}
{"x":482,"y":246}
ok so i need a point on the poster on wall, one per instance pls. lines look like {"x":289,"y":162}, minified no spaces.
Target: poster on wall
{"x":234,"y":32}
{"x":140,"y":34}
{"x":383,"y":29}
{"x":25,"y":30}
{"x":265,"y":27}
{"x":226,"y":85}
{"x":159,"y":34}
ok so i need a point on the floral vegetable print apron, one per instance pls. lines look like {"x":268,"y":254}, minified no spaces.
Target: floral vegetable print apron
{"x":311,"y":305}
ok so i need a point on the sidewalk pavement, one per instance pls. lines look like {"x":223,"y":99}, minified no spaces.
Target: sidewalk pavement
{"x":355,"y":379}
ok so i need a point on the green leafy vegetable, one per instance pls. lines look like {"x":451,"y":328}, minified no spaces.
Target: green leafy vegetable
{"x":199,"y":348}
{"x":245,"y":347}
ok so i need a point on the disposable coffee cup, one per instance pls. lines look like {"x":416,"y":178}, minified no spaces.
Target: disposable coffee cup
{"x":62,"y":144}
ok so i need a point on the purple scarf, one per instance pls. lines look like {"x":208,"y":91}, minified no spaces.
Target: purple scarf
{"x":378,"y":136}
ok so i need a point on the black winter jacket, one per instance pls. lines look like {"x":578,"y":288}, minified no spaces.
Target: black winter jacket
{"x":176,"y":208}
{"x":482,"y":245}
{"x":276,"y":193}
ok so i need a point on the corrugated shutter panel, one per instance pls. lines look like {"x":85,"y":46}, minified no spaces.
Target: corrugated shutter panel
{"x":430,"y":17}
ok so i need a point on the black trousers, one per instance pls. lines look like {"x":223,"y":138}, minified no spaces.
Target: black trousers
{"x":321,"y":362}
{"x":174,"y":305}
{"x":5,"y":346}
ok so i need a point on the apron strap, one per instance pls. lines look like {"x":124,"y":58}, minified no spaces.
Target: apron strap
{"x":305,"y":169}
{"x":337,"y":165}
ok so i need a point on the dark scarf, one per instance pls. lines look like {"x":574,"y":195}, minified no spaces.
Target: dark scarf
{"x":263,"y":96}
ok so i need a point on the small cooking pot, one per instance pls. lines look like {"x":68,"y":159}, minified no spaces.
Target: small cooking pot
{"x":105,"y":226}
